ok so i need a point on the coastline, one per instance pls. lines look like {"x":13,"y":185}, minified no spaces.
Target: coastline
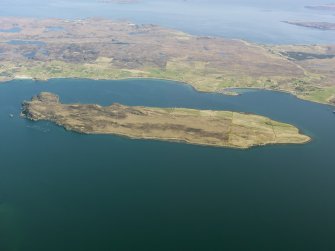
{"x":179,"y":82}
{"x":216,"y":128}
{"x":195,"y":60}
{"x":178,"y":141}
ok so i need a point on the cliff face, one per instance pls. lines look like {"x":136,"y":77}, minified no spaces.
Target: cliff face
{"x":44,"y":97}
{"x":202,"y":127}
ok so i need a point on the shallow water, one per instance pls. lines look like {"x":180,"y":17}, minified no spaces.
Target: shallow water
{"x":11,"y":30}
{"x":55,"y":28}
{"x":26,"y":42}
{"x":65,"y":191}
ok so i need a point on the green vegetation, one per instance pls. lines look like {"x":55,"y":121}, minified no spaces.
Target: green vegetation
{"x":196,"y":75}
{"x":321,"y":95}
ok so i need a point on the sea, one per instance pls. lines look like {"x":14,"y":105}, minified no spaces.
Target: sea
{"x":61,"y":190}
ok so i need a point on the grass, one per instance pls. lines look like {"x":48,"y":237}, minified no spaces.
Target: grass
{"x":198,"y":74}
{"x":321,"y":95}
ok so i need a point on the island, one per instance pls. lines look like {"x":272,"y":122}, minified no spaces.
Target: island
{"x":326,"y":7}
{"x":97,"y":48}
{"x":118,"y":1}
{"x":313,"y":25}
{"x":200,"y":127}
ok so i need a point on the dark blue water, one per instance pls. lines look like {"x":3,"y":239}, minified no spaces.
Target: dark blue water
{"x":65,"y":191}
{"x":258,"y":20}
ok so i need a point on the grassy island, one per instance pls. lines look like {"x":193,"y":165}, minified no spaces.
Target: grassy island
{"x":201,"y":127}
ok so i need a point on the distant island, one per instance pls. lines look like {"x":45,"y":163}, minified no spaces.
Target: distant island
{"x":118,"y":1}
{"x":314,"y":25}
{"x":200,"y":127}
{"x":99,"y":48}
{"x":328,"y":7}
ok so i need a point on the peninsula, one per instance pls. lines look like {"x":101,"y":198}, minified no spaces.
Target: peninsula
{"x":105,"y":49}
{"x":314,"y":25}
{"x":200,"y":127}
